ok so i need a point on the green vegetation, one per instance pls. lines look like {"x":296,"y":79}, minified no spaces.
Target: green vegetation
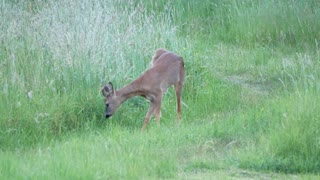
{"x":251,"y":96}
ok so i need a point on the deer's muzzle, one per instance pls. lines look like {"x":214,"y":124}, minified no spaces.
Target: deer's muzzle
{"x":108,"y":115}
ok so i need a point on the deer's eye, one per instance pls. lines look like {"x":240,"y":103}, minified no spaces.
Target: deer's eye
{"x":107,"y":104}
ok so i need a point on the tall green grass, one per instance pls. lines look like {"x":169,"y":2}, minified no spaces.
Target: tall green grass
{"x":292,"y":144}
{"x":63,"y":56}
{"x":290,"y":23}
{"x":250,"y":98}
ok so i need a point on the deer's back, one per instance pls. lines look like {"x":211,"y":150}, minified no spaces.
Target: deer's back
{"x":166,"y":69}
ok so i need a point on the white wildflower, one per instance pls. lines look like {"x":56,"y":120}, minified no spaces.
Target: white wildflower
{"x":30,"y":94}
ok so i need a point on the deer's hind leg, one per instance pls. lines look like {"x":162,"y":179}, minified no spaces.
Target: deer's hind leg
{"x":178,"y":89}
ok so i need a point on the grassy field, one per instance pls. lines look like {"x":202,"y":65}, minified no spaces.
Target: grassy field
{"x":250,"y":101}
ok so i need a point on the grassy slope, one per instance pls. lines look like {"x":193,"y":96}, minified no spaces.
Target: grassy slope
{"x":251,"y":94}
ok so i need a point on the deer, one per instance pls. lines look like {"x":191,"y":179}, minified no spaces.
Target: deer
{"x":167,"y":69}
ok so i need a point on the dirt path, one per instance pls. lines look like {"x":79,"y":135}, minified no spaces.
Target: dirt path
{"x":240,"y":174}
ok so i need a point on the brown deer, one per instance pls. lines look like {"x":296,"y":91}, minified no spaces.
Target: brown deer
{"x":167,"y":69}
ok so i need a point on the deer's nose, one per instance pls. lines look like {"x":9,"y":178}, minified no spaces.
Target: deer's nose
{"x":108,"y":115}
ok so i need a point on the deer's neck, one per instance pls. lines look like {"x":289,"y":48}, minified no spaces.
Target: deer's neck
{"x":131,"y":90}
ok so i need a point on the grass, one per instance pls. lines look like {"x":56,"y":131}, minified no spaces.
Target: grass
{"x":250,"y":97}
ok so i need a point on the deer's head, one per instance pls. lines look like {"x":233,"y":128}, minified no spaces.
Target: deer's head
{"x":111,"y":100}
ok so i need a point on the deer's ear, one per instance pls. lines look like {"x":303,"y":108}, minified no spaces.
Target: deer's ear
{"x":103,"y":91}
{"x":107,"y":89}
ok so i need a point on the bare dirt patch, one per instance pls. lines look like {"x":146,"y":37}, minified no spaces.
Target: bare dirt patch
{"x":254,"y":85}
{"x":235,"y":173}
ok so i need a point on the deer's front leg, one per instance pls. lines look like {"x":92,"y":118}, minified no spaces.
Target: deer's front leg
{"x":157,"y":112}
{"x":152,"y":107}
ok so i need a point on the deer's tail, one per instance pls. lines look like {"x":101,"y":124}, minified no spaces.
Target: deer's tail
{"x":158,"y":53}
